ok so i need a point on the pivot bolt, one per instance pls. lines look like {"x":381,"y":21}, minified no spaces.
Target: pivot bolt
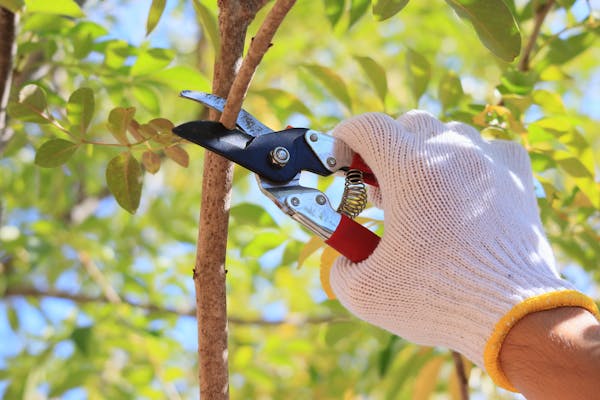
{"x":313,"y":137}
{"x":280,"y":156}
{"x":331,"y":161}
{"x":321,"y":200}
{"x":295,"y":201}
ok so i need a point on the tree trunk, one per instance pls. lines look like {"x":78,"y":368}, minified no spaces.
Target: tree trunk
{"x":8,"y":22}
{"x":209,"y":271}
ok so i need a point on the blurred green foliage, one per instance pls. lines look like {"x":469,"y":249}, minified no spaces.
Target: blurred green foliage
{"x":98,"y":301}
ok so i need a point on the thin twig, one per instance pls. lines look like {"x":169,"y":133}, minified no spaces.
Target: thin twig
{"x":540,"y":16}
{"x":557,"y":35}
{"x":81,"y":299}
{"x":259,"y":46}
{"x":92,"y":269}
{"x":463,"y":382}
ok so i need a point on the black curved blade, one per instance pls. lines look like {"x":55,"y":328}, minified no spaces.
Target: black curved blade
{"x":254,"y":153}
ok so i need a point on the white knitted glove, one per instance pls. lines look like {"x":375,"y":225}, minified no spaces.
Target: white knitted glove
{"x":463,"y":256}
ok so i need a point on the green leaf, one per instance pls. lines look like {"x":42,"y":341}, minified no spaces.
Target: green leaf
{"x":124,"y":179}
{"x":15,"y":143}
{"x":152,"y":60}
{"x":334,"y":10}
{"x":332,"y":81}
{"x":558,"y":123}
{"x":12,"y":5}
{"x":450,"y":90}
{"x":82,"y":337}
{"x":116,"y":52}
{"x":551,"y":102}
{"x":83,"y":36}
{"x":283,"y":103}
{"x":385,"y":356}
{"x":572,"y":165}
{"x":181,"y":77}
{"x":338,"y":331}
{"x":68,"y":8}
{"x":358,"y":8}
{"x":13,"y":318}
{"x":384,"y":9}
{"x":25,"y":113}
{"x":80,"y":109}
{"x":566,"y":3}
{"x":251,"y":214}
{"x":55,"y":152}
{"x":33,"y":96}
{"x":494,"y":23}
{"x":418,"y":73}
{"x":262,"y":243}
{"x":156,"y":11}
{"x":376,"y":74}
{"x":209,"y":24}
{"x":517,"y":82}
{"x":118,"y":122}
{"x":31,"y":106}
{"x":564,"y":50}
{"x":147,"y":97}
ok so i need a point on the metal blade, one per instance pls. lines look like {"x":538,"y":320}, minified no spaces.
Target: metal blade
{"x":258,"y":154}
{"x":245,"y":120}
{"x":214,"y":136}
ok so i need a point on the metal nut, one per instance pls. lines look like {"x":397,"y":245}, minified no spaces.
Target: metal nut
{"x":280,"y":156}
{"x":295,"y":201}
{"x":313,"y":137}
{"x":331,"y":161}
{"x":321,"y":200}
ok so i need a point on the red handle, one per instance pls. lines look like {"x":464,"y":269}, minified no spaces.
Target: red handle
{"x":353,"y":240}
{"x":360,"y":164}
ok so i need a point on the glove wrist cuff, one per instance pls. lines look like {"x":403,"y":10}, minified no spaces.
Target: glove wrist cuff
{"x":543,"y":302}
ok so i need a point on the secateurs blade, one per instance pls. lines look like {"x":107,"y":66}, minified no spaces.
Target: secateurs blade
{"x":278,"y":159}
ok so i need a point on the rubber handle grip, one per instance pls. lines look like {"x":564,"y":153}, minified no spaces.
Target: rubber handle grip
{"x":360,"y":164}
{"x":353,"y":240}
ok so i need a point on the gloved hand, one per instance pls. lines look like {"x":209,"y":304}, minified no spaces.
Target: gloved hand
{"x":463,"y":256}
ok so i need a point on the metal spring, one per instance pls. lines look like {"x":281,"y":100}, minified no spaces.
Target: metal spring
{"x":354,"y":198}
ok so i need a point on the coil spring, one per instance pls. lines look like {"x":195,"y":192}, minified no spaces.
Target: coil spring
{"x":354,"y":198}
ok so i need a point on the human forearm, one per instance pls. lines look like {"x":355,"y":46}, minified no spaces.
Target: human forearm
{"x":554,"y":354}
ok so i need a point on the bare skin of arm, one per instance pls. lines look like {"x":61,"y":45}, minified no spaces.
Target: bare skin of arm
{"x":554,"y":354}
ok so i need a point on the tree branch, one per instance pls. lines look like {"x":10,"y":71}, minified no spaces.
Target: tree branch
{"x":463,"y":382}
{"x":540,"y":16}
{"x":92,"y":269}
{"x":209,"y":271}
{"x":25,"y":291}
{"x":259,"y":46}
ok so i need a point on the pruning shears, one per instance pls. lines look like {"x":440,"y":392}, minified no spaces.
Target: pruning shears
{"x":278,"y":159}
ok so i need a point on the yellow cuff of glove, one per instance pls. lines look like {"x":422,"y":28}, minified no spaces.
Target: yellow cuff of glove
{"x":546,"y":301}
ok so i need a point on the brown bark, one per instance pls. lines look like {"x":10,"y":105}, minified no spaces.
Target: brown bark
{"x":8,"y":22}
{"x":209,"y":272}
{"x":461,"y":374}
{"x":259,"y":46}
{"x":540,"y":15}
